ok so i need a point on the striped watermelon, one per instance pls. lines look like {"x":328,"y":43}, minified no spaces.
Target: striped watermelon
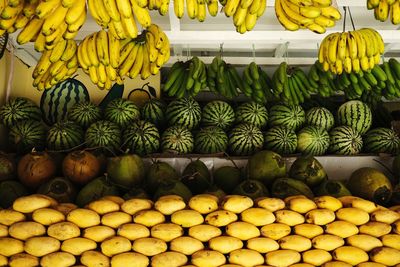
{"x":281,"y":140}
{"x":104,"y":134}
{"x":154,"y":112}
{"x":122,"y":111}
{"x":312,"y":140}
{"x":56,"y":101}
{"x":185,"y":112}
{"x":381,"y":140}
{"x":218,"y":113}
{"x":345,"y":141}
{"x":84,"y":113}
{"x":245,"y":139}
{"x":252,"y":113}
{"x":290,"y":116}
{"x":355,"y":114}
{"x":19,"y":109}
{"x":320,"y":117}
{"x":210,"y":140}
{"x":141,"y":138}
{"x":26,"y":135}
{"x":177,"y":139}
{"x":64,"y":135}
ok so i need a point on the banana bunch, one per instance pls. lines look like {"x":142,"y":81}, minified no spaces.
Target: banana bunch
{"x":385,"y":8}
{"x":161,"y":5}
{"x":244,"y":12}
{"x":196,"y":9}
{"x":315,"y":15}
{"x":256,"y":84}
{"x":99,"y":57}
{"x":120,"y":16}
{"x":43,"y":22}
{"x":351,"y":51}
{"x":291,"y":84}
{"x":324,"y":81}
{"x":56,"y":65}
{"x":186,"y":78}
{"x":144,"y":55}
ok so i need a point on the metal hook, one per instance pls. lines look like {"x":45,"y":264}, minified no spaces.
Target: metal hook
{"x":221,"y":50}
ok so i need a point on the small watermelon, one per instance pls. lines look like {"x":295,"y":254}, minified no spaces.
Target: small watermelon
{"x":56,"y":101}
{"x":355,"y":114}
{"x":141,"y":138}
{"x":19,"y":109}
{"x":381,"y":140}
{"x":290,"y":116}
{"x":26,"y":135}
{"x":281,"y":140}
{"x":84,"y":113}
{"x":320,"y":117}
{"x":210,"y":140}
{"x":103,"y":134}
{"x":185,"y":112}
{"x":64,"y":136}
{"x":245,"y":139}
{"x":218,"y":113}
{"x":177,"y":139}
{"x":122,"y":112}
{"x":252,"y":113}
{"x":345,"y":141}
{"x":313,"y":141}
{"x":154,"y":112}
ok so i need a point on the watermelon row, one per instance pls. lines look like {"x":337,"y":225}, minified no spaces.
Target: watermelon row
{"x":183,"y":126}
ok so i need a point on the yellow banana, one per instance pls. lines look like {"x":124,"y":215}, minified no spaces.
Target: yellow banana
{"x":73,"y":63}
{"x":383,"y":10}
{"x":42,"y":65}
{"x":40,"y":43}
{"x":395,"y":13}
{"x":370,"y":44}
{"x":213,"y":8}
{"x":74,"y":27}
{"x":356,"y":65}
{"x":155,"y":31}
{"x":61,"y":74}
{"x":68,"y":3}
{"x":379,"y":40}
{"x":245,"y":3}
{"x":56,"y":67}
{"x":93,"y":74}
{"x":102,"y":47}
{"x":361,"y":46}
{"x":31,"y":30}
{"x":337,"y":67}
{"x":322,"y":3}
{"x":333,"y":47}
{"x":126,"y":50}
{"x":310,"y":12}
{"x":164,"y":8}
{"x":321,"y":53}
{"x":179,"y":8}
{"x":331,"y":12}
{"x":98,"y":5}
{"x":127,"y":64}
{"x":29,"y":8}
{"x":301,"y":2}
{"x":111,"y":73}
{"x":142,"y":3}
{"x":124,"y":8}
{"x":69,"y":51}
{"x":114,"y":50}
{"x":84,"y":65}
{"x":364,"y":62}
{"x":41,"y":83}
{"x":250,"y":21}
{"x":111,"y":7}
{"x":44,"y":9}
{"x":324,"y":21}
{"x":352,"y":45}
{"x":21,"y":21}
{"x":316,"y":28}
{"x":293,"y":13}
{"x":230,"y":7}
{"x":75,"y":12}
{"x":373,"y":3}
{"x":3,"y":4}
{"x":240,"y":16}
{"x":145,"y":71}
{"x":150,"y":43}
{"x":129,"y":25}
{"x":202,"y":12}
{"x":283,"y":19}
{"x":53,"y":38}
{"x":58,"y":51}
{"x":53,"y":21}
{"x":137,"y":65}
{"x":342,"y":45}
{"x":101,"y":73}
{"x":70,"y":35}
{"x":165,"y":47}
{"x":92,"y":50}
{"x":116,"y":29}
{"x":192,"y":8}
{"x":83,"y":49}
{"x":10,"y":12}
{"x":262,"y":8}
{"x":142,"y":15}
{"x":255,"y":5}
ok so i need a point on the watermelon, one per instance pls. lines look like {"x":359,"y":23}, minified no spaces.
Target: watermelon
{"x":355,"y":114}
{"x":103,"y":134}
{"x":210,"y":140}
{"x":281,"y":140}
{"x":381,"y":140}
{"x":177,"y":139}
{"x":320,"y":117}
{"x":185,"y":112}
{"x":218,"y":113}
{"x":290,"y":116}
{"x":19,"y":109}
{"x":141,"y":138}
{"x":345,"y":141}
{"x":252,"y":113}
{"x":84,"y":114}
{"x":64,"y":135}
{"x":245,"y":139}
{"x":56,"y":101}
{"x":122,"y":112}
{"x":154,"y":112}
{"x":26,"y":135}
{"x":313,"y":141}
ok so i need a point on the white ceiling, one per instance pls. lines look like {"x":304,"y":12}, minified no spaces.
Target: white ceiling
{"x":267,"y":42}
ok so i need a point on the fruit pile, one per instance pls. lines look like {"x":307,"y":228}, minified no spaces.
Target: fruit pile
{"x":315,"y":15}
{"x":351,"y":51}
{"x":325,"y":231}
{"x":385,"y":8}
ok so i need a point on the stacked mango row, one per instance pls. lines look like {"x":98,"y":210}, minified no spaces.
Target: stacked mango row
{"x":236,"y":231}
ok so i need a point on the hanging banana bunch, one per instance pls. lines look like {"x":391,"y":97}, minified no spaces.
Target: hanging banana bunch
{"x":315,"y":15}
{"x":161,"y":5}
{"x":244,"y":12}
{"x":351,"y":51}
{"x":196,"y":9}
{"x":385,"y":8}
{"x":256,"y":84}
{"x":120,"y":16}
{"x":56,"y":65}
{"x":43,"y":22}
{"x":323,"y":81}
